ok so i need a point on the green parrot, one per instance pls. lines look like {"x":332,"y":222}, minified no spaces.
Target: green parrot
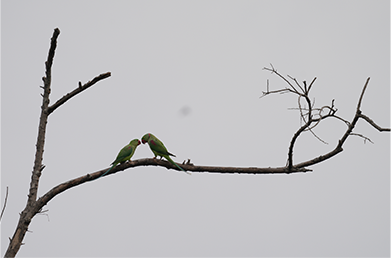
{"x":158,"y":149}
{"x":125,"y":154}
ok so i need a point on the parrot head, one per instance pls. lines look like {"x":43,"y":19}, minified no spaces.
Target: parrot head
{"x":145,"y":138}
{"x":135,"y":142}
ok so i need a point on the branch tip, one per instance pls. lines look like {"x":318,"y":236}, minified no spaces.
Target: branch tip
{"x":362,"y":94}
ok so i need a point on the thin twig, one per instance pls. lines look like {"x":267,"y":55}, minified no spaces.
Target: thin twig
{"x":362,"y":94}
{"x":282,"y":77}
{"x":316,"y":136}
{"x":309,"y":88}
{"x":362,"y":136}
{"x":5,"y":203}
{"x":297,"y":83}
{"x":305,"y":87}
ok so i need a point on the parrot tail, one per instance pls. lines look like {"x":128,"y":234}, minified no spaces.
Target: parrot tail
{"x":172,"y":162}
{"x":107,"y":171}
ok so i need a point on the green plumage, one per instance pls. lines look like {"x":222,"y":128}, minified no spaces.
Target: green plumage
{"x":124,"y":154}
{"x":158,"y":149}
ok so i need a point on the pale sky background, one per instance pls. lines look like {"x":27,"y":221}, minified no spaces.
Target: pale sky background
{"x":205,"y":57}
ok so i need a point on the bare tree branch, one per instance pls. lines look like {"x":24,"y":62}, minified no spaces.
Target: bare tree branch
{"x":297,"y":83}
{"x":28,"y":213}
{"x":32,"y":206}
{"x":157,"y":162}
{"x":362,"y":94}
{"x":307,"y":123}
{"x":370,"y":121}
{"x":307,"y":114}
{"x":308,"y":119}
{"x":43,"y":118}
{"x":76,"y":91}
{"x":5,"y":203}
{"x":162,"y":163}
{"x":195,"y":168}
{"x":282,"y":77}
{"x":309,"y":88}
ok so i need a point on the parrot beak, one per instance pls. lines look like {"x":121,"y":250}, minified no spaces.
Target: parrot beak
{"x":143,"y":141}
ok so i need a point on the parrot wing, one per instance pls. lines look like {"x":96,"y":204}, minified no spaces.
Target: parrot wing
{"x":125,"y":154}
{"x":158,"y":147}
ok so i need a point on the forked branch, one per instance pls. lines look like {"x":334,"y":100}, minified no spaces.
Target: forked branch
{"x":33,"y":206}
{"x":311,"y":122}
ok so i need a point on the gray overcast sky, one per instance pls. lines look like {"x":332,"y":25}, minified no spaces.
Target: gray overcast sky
{"x":191,"y":73}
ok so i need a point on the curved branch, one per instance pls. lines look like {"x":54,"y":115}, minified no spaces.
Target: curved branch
{"x":370,"y":121}
{"x":337,"y":149}
{"x":309,"y":88}
{"x":42,"y":201}
{"x":301,"y":129}
{"x":5,"y":203}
